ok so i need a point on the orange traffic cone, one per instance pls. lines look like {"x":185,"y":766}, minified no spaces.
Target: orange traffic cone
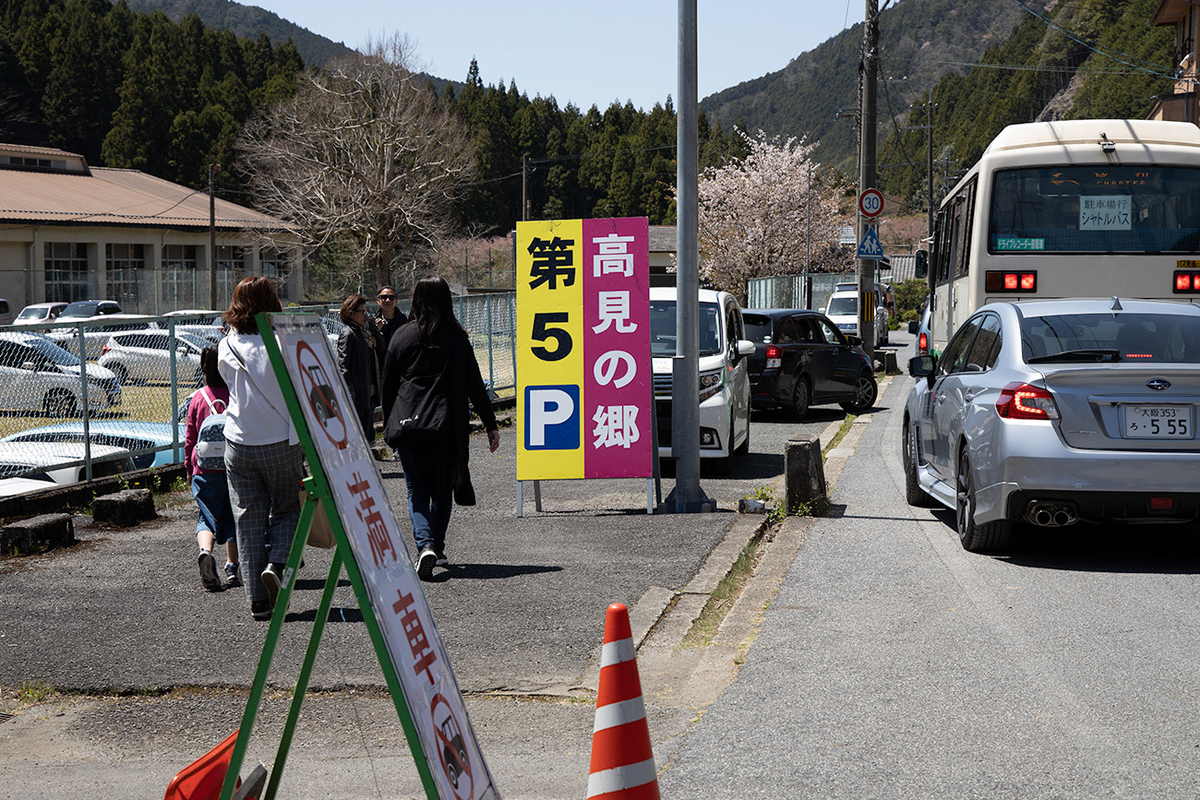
{"x":622,"y":758}
{"x":202,"y":779}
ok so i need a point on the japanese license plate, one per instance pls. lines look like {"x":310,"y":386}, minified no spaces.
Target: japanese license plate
{"x":1158,"y":422}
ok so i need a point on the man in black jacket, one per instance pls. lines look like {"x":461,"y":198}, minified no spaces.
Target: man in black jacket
{"x":390,"y":318}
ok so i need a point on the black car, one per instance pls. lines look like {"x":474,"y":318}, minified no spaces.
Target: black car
{"x":801,"y":359}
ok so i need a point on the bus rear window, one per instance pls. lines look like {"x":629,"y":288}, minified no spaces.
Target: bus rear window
{"x":1097,"y":209}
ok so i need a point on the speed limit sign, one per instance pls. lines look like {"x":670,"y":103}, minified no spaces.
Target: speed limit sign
{"x":870,"y":203}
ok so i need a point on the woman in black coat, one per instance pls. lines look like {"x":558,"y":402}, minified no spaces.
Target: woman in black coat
{"x":358,"y":345}
{"x":429,"y":374}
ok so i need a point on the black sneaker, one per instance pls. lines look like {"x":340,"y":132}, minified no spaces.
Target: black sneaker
{"x":425,"y":563}
{"x":442,"y":561}
{"x":208,"y":572}
{"x":231,"y":575}
{"x":261,"y":610}
{"x":272,"y":578}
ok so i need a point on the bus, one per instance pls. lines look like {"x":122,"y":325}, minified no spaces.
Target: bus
{"x":1078,"y":208}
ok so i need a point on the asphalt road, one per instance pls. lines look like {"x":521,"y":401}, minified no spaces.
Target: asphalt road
{"x":895,"y":664}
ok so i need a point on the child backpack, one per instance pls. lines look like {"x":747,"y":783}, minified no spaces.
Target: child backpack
{"x":210,"y":439}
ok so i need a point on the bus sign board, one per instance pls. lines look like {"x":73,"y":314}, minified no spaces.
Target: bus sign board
{"x":584,"y":379}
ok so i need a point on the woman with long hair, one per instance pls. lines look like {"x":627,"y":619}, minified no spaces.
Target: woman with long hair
{"x":264,"y":462}
{"x":358,"y":361}
{"x":429,"y":375}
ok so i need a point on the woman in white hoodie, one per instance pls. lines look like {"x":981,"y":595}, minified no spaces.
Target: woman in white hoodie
{"x":264,"y":461}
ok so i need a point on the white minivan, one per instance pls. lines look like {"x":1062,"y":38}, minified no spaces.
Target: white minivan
{"x":724,"y":374}
{"x":842,"y":310}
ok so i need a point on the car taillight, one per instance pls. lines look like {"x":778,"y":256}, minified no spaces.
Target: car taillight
{"x":774,"y":357}
{"x":1022,"y":401}
{"x":1022,"y":282}
{"x":923,"y":344}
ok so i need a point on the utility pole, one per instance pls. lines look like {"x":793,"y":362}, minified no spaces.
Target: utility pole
{"x":525,"y":187}
{"x":866,"y":173}
{"x":687,"y":495}
{"x":213,"y":169}
{"x":929,"y":158}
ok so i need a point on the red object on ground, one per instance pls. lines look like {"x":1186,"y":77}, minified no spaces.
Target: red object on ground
{"x":202,"y":779}
{"x":622,"y":765}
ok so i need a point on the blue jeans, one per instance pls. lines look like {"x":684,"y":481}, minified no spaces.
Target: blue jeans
{"x":429,"y":505}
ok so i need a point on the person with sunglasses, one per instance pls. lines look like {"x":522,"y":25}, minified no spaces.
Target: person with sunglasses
{"x":390,"y":318}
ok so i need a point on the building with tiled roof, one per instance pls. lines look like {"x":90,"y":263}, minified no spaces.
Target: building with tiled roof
{"x":69,"y":231}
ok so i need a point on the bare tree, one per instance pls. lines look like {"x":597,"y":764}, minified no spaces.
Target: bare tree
{"x":363,"y":154}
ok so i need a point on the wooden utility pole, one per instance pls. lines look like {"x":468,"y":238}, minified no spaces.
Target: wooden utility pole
{"x":866,"y":172}
{"x":213,"y":169}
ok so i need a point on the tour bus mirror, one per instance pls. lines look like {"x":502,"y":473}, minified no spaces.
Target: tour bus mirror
{"x":913,"y":326}
{"x":922,"y":264}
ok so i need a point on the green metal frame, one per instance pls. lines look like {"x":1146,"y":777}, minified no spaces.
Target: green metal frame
{"x":318,"y":490}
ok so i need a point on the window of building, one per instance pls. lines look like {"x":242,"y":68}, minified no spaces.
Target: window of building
{"x":231,"y":263}
{"x":66,"y":268}
{"x":181,"y":279}
{"x":128,"y":281}
{"x":274,"y":265}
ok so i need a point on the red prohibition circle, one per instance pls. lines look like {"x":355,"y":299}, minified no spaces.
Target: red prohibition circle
{"x":452,"y":750}
{"x":319,"y":394}
{"x":870,"y":203}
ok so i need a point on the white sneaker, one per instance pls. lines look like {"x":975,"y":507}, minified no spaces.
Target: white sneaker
{"x":425,"y":563}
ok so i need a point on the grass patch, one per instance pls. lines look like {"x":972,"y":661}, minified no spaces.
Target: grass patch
{"x":33,"y":692}
{"x":723,"y":597}
{"x":842,"y":430}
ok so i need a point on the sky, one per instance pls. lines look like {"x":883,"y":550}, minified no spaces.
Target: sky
{"x":588,"y":54}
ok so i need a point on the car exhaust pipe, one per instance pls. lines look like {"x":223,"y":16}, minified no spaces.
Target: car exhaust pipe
{"x":1051,"y":515}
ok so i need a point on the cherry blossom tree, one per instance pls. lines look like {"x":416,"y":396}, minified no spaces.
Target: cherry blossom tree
{"x":755,"y":215}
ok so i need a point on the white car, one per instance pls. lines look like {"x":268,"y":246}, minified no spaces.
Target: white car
{"x":39,"y":376}
{"x":39,"y":313}
{"x":145,"y":357}
{"x":724,"y":374}
{"x":60,"y":463}
{"x":96,"y":331}
{"x":842,"y":310}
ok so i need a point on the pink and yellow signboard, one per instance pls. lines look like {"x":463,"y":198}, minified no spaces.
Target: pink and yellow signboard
{"x":584,"y":383}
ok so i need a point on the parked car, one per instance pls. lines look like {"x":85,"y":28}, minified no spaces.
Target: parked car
{"x":922,"y":328}
{"x":139,"y":437}
{"x":724,"y":375}
{"x":842,"y":310}
{"x":6,"y":317}
{"x":96,"y":331}
{"x":85,"y":309}
{"x":801,"y":360}
{"x":145,"y":356}
{"x":1054,"y":412}
{"x":39,"y":313}
{"x":60,"y":462}
{"x":39,"y":376}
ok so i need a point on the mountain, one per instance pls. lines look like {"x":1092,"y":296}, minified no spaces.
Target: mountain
{"x":920,"y":41}
{"x":247,"y":22}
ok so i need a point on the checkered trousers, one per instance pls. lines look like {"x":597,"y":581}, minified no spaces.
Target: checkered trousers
{"x":264,"y":488}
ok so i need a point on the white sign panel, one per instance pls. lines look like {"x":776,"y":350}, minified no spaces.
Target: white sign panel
{"x":1106,"y":212}
{"x":380,"y":549}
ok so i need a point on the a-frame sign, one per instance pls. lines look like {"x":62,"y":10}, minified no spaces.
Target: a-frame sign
{"x":373,"y":548}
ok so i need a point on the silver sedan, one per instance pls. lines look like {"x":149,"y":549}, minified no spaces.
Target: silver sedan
{"x":1053,"y":412}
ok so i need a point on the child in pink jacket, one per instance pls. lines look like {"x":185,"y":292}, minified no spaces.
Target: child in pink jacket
{"x":216,"y":525}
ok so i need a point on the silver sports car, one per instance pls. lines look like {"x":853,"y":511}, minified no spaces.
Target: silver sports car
{"x":1053,"y":412}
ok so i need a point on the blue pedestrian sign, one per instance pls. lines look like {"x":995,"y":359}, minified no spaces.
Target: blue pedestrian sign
{"x":869,"y":249}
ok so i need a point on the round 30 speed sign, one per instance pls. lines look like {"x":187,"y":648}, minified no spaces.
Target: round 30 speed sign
{"x":870,"y":203}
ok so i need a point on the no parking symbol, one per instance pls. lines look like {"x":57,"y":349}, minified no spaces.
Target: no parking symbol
{"x":452,"y":751}
{"x":318,"y":392}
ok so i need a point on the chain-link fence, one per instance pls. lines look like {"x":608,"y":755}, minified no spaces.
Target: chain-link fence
{"x":135,"y":380}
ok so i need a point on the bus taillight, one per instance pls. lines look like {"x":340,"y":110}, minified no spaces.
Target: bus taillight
{"x":1011,"y":282}
{"x":1187,"y":282}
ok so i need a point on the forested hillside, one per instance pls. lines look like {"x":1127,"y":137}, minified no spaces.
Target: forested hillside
{"x":247,"y":21}
{"x":920,"y":41}
{"x":1082,"y":59}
